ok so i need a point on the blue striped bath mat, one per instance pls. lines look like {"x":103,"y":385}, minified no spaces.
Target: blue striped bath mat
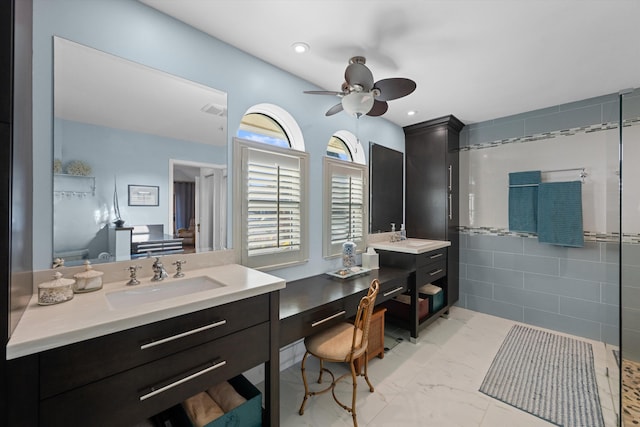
{"x":547,"y":375}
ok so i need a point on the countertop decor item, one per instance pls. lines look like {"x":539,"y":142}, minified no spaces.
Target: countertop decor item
{"x":56,"y":291}
{"x":370,"y":259}
{"x":89,"y":280}
{"x":78,"y":167}
{"x":348,"y":254}
{"x":348,"y":273}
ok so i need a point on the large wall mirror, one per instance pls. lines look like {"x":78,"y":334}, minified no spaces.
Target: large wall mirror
{"x":140,"y":145}
{"x":386,"y":196}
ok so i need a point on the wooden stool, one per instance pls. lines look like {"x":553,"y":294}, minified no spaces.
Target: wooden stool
{"x":376,"y":338}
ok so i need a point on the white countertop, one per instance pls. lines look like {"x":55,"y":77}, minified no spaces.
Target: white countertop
{"x":89,"y":315}
{"x":411,"y":245}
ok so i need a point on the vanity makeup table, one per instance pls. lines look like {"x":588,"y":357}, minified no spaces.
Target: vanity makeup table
{"x":315,"y":303}
{"x":312,"y":304}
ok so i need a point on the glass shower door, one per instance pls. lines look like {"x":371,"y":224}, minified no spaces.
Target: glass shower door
{"x":630,"y":256}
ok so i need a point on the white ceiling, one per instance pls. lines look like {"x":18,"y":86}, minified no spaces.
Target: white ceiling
{"x":476,"y":59}
{"x":88,"y":88}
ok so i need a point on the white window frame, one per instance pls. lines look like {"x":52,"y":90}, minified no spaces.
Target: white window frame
{"x":331,"y":246}
{"x":244,"y":151}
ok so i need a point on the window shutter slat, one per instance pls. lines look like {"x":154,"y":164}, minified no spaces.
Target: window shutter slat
{"x":274,"y":206}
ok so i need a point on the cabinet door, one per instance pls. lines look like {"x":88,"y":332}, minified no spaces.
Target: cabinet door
{"x":427,"y":184}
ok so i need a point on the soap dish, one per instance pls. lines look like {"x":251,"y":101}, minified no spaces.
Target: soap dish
{"x":348,"y":273}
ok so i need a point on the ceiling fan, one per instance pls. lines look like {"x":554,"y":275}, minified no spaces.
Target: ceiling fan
{"x":360,"y":95}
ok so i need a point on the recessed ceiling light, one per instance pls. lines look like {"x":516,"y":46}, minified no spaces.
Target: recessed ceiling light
{"x":411,"y":113}
{"x":300,"y":47}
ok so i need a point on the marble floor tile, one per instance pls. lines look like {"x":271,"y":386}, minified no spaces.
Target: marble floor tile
{"x":433,"y":382}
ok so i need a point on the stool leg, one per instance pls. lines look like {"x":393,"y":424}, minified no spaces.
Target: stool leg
{"x":354,"y":379}
{"x":304,"y":380}
{"x":366,"y":373}
{"x":321,"y":371}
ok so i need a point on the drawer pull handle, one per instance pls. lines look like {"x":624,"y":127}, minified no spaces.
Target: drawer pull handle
{"x":435,"y":256}
{"x":183,"y":380}
{"x":182,"y":335}
{"x":433,"y":273}
{"x":399,"y":288}
{"x":326,"y":319}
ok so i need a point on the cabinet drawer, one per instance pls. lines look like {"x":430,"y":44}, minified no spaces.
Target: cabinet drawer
{"x":431,"y":257}
{"x":139,"y":393}
{"x":431,"y":272}
{"x":310,"y":322}
{"x":391,"y":288}
{"x":77,"y":364}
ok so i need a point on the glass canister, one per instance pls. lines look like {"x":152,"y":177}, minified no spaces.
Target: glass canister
{"x":87,"y":281}
{"x":348,"y":254}
{"x":56,"y":291}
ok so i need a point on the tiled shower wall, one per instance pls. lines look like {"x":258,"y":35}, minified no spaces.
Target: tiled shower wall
{"x":573,"y":290}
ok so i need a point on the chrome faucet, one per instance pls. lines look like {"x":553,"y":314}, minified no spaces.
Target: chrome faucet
{"x":133,"y":269}
{"x":179,"y":265}
{"x":159,"y":273}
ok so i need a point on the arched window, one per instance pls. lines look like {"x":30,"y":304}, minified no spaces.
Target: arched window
{"x":268,"y":123}
{"x":345,"y":216}
{"x":338,"y":149}
{"x":271,"y":175}
{"x":262,"y":128}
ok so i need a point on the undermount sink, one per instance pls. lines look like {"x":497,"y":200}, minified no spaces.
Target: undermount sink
{"x":143,"y":294}
{"x":411,"y":245}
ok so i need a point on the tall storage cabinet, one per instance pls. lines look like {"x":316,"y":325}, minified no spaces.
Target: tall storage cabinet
{"x":432,"y":188}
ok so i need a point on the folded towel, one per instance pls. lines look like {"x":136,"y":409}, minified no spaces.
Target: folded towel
{"x":523,"y":201}
{"x":560,"y":213}
{"x":202,"y":409}
{"x":226,"y":396}
{"x":430,"y":289}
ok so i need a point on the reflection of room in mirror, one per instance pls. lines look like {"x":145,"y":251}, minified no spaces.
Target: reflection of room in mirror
{"x":144,"y":119}
{"x":199,"y":207}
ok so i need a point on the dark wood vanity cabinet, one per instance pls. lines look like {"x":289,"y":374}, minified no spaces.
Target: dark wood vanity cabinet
{"x":125,"y":377}
{"x":432,"y":188}
{"x":427,"y":267}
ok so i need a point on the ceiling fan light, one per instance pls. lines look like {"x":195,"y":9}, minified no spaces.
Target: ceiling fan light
{"x":357,"y":103}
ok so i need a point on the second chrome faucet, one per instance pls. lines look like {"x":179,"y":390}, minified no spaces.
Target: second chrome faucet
{"x":159,"y":273}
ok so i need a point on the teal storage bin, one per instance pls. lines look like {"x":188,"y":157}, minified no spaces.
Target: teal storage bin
{"x":249,"y":414}
{"x":435,"y":295}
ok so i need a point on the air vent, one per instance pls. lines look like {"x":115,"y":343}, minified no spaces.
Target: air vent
{"x":215,"y":109}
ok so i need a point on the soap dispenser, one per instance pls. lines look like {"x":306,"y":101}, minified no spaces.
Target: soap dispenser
{"x":403,"y":233}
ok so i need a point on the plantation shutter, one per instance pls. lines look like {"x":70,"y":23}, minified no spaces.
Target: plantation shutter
{"x":346,"y":203}
{"x":274,"y":211}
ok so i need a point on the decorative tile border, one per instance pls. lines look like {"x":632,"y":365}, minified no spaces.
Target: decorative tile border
{"x":589,"y":236}
{"x":553,"y":134}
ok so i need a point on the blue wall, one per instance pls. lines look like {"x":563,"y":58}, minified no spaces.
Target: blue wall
{"x":136,"y":32}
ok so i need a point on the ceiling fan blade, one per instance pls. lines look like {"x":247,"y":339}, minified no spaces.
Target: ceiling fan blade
{"x":394,"y":88}
{"x":378,"y":109}
{"x":359,"y":74}
{"x":323,"y":92}
{"x":333,"y":110}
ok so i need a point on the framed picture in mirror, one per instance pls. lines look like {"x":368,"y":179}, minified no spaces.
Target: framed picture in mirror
{"x":143,"y":195}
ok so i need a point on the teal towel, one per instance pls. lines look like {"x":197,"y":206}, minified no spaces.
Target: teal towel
{"x":560,"y":213}
{"x":523,"y":201}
